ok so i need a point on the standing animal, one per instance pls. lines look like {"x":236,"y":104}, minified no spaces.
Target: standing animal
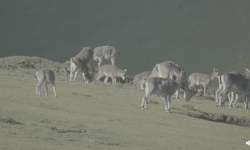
{"x":139,"y":79}
{"x":47,"y":76}
{"x":237,"y":79}
{"x":169,"y":69}
{"x":105,"y":52}
{"x":233,"y":95}
{"x":111,"y":71}
{"x":162,"y":87}
{"x":199,"y":79}
{"x":80,"y":62}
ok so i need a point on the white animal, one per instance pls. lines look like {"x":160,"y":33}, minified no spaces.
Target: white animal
{"x":139,"y":79}
{"x":105,"y":52}
{"x":169,"y":69}
{"x":111,"y":71}
{"x":162,"y":87}
{"x":47,"y":76}
{"x":80,"y":62}
{"x":199,"y":79}
{"x":242,"y":83}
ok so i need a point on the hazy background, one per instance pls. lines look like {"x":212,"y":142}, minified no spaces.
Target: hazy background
{"x":196,"y":34}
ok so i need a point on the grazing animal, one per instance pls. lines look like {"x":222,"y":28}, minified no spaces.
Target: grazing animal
{"x":199,"y":79}
{"x":237,"y":79}
{"x":47,"y":76}
{"x":80,"y":62}
{"x":169,"y":69}
{"x":162,"y":87}
{"x":105,"y":52}
{"x":111,"y":71}
{"x":139,"y":79}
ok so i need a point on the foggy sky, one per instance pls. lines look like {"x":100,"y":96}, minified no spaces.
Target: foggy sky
{"x":198,"y":35}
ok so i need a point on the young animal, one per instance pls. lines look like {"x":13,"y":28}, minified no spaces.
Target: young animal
{"x":105,"y":52}
{"x":47,"y":76}
{"x":80,"y":62}
{"x":111,"y":71}
{"x":199,"y":79}
{"x":139,"y":79}
{"x":169,"y":69}
{"x":162,"y":87}
{"x":241,"y":82}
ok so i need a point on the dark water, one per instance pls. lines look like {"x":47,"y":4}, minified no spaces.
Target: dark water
{"x":196,"y":34}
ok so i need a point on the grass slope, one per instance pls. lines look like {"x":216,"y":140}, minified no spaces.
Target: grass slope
{"x":99,"y":116}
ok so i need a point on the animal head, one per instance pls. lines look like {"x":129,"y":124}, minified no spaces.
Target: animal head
{"x":142,"y":82}
{"x":65,"y":71}
{"x":123,"y":74}
{"x":216,"y":73}
{"x":189,"y":94}
{"x":75,"y":60}
{"x":115,"y":52}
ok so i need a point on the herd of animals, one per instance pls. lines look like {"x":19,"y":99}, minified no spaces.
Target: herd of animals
{"x":165,"y":79}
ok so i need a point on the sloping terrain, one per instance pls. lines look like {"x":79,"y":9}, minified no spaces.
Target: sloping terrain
{"x":107,"y":116}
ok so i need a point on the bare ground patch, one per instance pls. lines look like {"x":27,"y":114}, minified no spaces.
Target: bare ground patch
{"x":244,"y":122}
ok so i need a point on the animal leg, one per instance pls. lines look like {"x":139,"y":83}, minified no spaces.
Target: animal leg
{"x":144,"y":102}
{"x":167,"y":100}
{"x":106,"y":79}
{"x":38,"y":88}
{"x":75,"y":76}
{"x":217,"y":96}
{"x":99,"y":62}
{"x":73,"y":70}
{"x":54,"y":88}
{"x":236,"y":99}
{"x":230,"y":98}
{"x":244,"y":96}
{"x":46,"y":87}
{"x":114,"y":78}
{"x":177,"y":95}
{"x":204,"y":90}
{"x":85,"y":79}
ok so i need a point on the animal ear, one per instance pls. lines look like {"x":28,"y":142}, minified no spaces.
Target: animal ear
{"x":125,"y":70}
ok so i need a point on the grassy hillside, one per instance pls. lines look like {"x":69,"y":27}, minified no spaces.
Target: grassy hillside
{"x":107,"y":116}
